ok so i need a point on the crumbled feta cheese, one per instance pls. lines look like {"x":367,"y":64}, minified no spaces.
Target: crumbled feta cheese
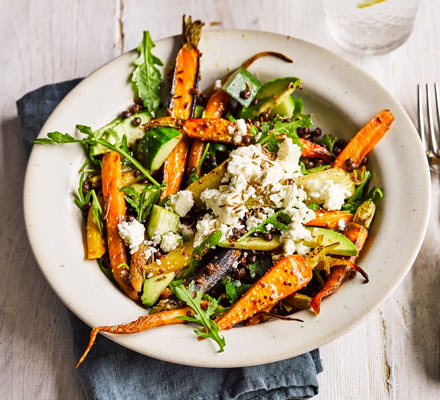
{"x":149,"y":249}
{"x":186,"y":230}
{"x":288,"y":155}
{"x":269,"y":227}
{"x":169,"y":242}
{"x":218,"y":84}
{"x":239,"y":130}
{"x":341,"y":224}
{"x":158,"y":262}
{"x":132,"y":233}
{"x":330,"y":193}
{"x":182,"y":202}
{"x":150,"y":275}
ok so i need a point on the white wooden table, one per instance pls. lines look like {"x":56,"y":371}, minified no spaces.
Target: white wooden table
{"x":394,"y":354}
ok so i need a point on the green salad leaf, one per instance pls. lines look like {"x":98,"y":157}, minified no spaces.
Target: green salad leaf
{"x":193,"y":299}
{"x":362,"y":194}
{"x":141,"y":202}
{"x":212,"y":240}
{"x":261,"y":266}
{"x":146,"y":78}
{"x":273,"y":220}
{"x":234,"y":289}
{"x":329,"y":142}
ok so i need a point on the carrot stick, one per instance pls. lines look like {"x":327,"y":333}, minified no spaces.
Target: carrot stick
{"x":114,"y":202}
{"x":364,"y":141}
{"x":330,"y":219}
{"x":286,"y":277}
{"x":217,"y":103}
{"x":339,"y":274}
{"x":141,"y":324}
{"x":182,"y":103}
{"x":222,"y":130}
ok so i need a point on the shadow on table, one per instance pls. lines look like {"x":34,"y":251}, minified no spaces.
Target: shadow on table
{"x":34,"y":324}
{"x":425,"y":303}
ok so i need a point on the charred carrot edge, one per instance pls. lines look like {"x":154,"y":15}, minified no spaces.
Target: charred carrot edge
{"x":217,"y":103}
{"x":284,"y":278}
{"x":338,"y":275}
{"x":141,"y":324}
{"x":182,"y":103}
{"x":364,"y":141}
{"x":314,"y":150}
{"x":330,"y":219}
{"x":114,"y":202}
{"x":255,"y":57}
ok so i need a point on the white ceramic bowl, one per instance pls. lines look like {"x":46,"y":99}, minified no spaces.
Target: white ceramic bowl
{"x":342,"y":99}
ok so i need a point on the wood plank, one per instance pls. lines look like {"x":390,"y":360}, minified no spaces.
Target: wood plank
{"x":41,"y":43}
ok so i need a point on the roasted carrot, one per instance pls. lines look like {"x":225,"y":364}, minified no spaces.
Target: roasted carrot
{"x":339,"y":274}
{"x":330,"y":219}
{"x":217,"y":103}
{"x":286,"y":277}
{"x":314,"y":150}
{"x":364,"y":141}
{"x":114,"y":203}
{"x":222,"y":130}
{"x":141,"y":324}
{"x":95,"y":242}
{"x":182,"y":103}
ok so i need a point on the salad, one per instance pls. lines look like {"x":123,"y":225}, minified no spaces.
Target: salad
{"x":222,"y":207}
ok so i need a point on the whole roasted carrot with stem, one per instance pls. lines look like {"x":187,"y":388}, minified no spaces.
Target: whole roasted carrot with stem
{"x":357,"y":232}
{"x":182,"y":102}
{"x":364,"y":141}
{"x":114,"y":203}
{"x":286,"y":277}
{"x":217,"y":103}
{"x":141,"y":324}
{"x":222,"y":130}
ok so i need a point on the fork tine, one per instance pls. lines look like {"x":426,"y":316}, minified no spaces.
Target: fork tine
{"x":421,"y":119}
{"x":437,"y":99}
{"x":434,"y":146}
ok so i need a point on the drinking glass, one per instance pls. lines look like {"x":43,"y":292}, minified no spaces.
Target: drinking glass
{"x":370,"y":26}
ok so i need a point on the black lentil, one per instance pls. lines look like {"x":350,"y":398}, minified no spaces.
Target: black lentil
{"x":351,"y":166}
{"x":136,"y":121}
{"x":245,"y":94}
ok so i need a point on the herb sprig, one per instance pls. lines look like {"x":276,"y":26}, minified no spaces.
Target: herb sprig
{"x":91,"y":140}
{"x":194,"y":300}
{"x":261,"y":227}
{"x":143,"y":201}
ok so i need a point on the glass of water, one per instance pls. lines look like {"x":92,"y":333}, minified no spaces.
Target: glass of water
{"x":370,"y":26}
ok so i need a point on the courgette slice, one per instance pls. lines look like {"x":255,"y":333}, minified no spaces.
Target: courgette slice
{"x":117,"y":129}
{"x":254,"y":243}
{"x":162,"y":221}
{"x":154,"y":286}
{"x":156,"y":145}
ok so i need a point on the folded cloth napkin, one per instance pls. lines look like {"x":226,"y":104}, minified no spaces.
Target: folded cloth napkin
{"x":113,"y":372}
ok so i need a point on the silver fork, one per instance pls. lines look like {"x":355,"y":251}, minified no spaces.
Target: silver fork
{"x":431,"y":142}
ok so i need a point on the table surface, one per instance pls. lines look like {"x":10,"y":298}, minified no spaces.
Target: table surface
{"x":394,"y":354}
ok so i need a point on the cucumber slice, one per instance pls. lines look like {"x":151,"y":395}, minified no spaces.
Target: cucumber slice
{"x":154,"y":286}
{"x":286,"y":108}
{"x":198,"y":111}
{"x":345,"y":248}
{"x":115,"y":130}
{"x":254,"y":243}
{"x":162,"y":221}
{"x":242,"y":80}
{"x":157,"y":144}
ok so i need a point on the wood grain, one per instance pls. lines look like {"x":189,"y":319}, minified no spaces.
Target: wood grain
{"x":394,"y":354}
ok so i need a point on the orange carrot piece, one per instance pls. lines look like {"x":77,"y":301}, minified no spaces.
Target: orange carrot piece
{"x":141,"y":324}
{"x":286,"y":277}
{"x":314,"y":150}
{"x":330,"y":219}
{"x":217,"y":103}
{"x":364,"y":141}
{"x":212,"y":129}
{"x":339,"y":274}
{"x":174,"y":168}
{"x":114,"y":202}
{"x":182,"y":103}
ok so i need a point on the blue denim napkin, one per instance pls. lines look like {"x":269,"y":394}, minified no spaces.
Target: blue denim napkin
{"x":113,"y":372}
